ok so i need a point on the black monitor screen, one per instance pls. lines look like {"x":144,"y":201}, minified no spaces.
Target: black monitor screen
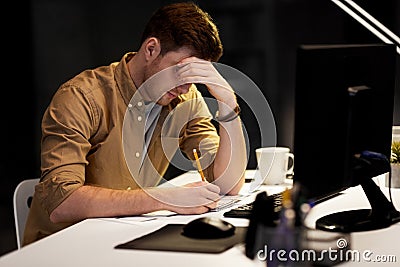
{"x":344,"y":98}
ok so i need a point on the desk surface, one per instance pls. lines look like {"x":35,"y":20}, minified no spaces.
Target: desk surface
{"x":91,"y":242}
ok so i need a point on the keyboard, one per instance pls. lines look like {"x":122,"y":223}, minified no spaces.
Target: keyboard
{"x":244,"y":211}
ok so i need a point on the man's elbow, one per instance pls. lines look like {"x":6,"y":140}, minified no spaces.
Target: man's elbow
{"x":56,"y":216}
{"x":234,"y":189}
{"x":63,"y":213}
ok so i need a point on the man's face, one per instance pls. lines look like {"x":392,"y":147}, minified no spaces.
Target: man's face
{"x":170,"y":59}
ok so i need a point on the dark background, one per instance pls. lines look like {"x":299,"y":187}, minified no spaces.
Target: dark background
{"x":46,"y":42}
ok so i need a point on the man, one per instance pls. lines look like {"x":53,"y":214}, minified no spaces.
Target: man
{"x":102,"y":134}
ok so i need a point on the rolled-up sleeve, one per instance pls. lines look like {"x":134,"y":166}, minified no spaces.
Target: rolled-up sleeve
{"x":67,"y":126}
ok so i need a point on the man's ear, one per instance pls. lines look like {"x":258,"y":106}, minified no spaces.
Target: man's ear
{"x":152,"y":48}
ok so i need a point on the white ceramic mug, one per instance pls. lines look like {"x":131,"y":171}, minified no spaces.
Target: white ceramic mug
{"x":274,"y":163}
{"x":396,"y":133}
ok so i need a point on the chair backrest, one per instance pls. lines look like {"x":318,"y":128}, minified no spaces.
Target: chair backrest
{"x":22,"y":201}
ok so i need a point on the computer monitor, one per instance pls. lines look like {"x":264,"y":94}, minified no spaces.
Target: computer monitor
{"x":344,"y":98}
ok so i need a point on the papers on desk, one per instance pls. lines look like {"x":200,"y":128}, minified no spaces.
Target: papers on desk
{"x":151,"y":216}
{"x":134,"y":220}
{"x":224,"y":203}
{"x":227,"y":202}
{"x":160,"y":213}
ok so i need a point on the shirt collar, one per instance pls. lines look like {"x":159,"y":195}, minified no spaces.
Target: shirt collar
{"x":123,"y":79}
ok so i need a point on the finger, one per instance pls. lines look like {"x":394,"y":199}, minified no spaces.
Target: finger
{"x":196,"y":184}
{"x":213,"y":188}
{"x":208,"y":81}
{"x":196,"y":69}
{"x":210,"y":196}
{"x":212,"y":205}
{"x":191,"y":210}
{"x":204,"y":74}
{"x":191,"y":59}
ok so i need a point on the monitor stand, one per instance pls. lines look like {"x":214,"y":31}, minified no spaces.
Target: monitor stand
{"x":381,"y":215}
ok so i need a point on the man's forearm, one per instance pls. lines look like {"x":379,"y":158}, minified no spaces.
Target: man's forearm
{"x":89,"y":201}
{"x":230,"y":162}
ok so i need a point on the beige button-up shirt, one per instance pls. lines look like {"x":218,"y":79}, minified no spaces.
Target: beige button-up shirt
{"x":93,"y":134}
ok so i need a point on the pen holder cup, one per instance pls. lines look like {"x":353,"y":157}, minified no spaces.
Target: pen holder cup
{"x":395,"y":176}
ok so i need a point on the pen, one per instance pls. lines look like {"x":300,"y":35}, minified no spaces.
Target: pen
{"x":198,"y":164}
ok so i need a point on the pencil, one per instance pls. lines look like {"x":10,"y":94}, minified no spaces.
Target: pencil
{"x":198,"y":164}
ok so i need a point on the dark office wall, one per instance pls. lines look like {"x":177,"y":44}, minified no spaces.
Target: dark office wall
{"x":17,"y":110}
{"x":260,"y":39}
{"x":56,"y":39}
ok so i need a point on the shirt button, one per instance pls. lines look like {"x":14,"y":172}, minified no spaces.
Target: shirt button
{"x":129,"y":105}
{"x":128,"y":188}
{"x":137,"y":154}
{"x":139,"y":118}
{"x":140,"y":104}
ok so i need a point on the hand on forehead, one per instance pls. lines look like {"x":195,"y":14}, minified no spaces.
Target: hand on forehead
{"x":187,"y":71}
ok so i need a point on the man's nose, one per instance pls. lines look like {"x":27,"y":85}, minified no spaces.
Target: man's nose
{"x":183,"y":89}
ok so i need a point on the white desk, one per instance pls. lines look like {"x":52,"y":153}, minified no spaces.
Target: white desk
{"x":91,"y":242}
{"x":381,"y":243}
